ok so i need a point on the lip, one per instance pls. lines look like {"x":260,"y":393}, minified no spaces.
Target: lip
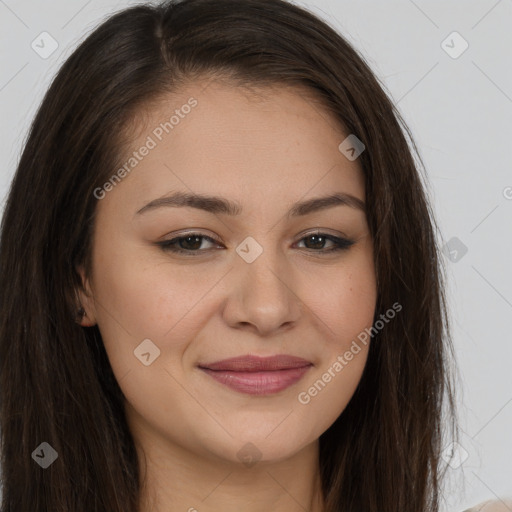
{"x":255,"y":375}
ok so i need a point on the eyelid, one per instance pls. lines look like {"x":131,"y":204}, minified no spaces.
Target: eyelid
{"x":339,"y":243}
{"x":321,"y":231}
{"x":211,"y":237}
{"x":167,"y":243}
{"x":179,"y":234}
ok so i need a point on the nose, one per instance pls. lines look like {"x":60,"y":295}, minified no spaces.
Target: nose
{"x":261,"y":296}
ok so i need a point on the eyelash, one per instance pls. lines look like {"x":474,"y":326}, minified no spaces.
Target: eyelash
{"x":342,"y":244}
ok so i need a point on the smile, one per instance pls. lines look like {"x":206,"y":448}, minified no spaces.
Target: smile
{"x":258,"y":376}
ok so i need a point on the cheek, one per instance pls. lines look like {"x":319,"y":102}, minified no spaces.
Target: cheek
{"x":344,"y":298}
{"x":148,"y":297}
{"x":140,"y":299}
{"x":322,"y":399}
{"x":347,"y":308}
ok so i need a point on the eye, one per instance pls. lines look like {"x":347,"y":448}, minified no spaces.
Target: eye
{"x":188,"y":244}
{"x":316,"y":242}
{"x":192,"y":244}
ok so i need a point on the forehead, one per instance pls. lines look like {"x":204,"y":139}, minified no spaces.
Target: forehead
{"x":249,"y":144}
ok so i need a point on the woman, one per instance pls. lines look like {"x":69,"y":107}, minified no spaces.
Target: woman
{"x":220,"y":283}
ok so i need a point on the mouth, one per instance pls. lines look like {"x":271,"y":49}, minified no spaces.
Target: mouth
{"x":255,"y":375}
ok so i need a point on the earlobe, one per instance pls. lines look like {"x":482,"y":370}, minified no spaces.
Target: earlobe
{"x":82,"y":318}
{"x":86,"y":311}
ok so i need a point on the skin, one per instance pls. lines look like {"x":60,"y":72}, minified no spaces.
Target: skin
{"x":265,"y":149}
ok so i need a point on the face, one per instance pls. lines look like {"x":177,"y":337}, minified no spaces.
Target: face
{"x":182,"y":282}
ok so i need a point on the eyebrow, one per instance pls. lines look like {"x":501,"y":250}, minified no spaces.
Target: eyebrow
{"x":215,"y":204}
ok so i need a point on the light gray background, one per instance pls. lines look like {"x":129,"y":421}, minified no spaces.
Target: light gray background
{"x":460,"y":112}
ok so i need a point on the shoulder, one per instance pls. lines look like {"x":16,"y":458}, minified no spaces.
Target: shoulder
{"x":492,"y":506}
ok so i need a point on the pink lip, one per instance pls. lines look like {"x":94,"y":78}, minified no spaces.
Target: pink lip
{"x":258,"y":375}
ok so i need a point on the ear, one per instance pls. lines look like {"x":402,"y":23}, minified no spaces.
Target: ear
{"x":86,"y":307}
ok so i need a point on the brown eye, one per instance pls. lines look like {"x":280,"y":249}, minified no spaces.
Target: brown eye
{"x":188,"y":244}
{"x":316,"y":242}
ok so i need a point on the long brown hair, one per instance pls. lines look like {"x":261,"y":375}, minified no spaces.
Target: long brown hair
{"x":56,"y":384}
